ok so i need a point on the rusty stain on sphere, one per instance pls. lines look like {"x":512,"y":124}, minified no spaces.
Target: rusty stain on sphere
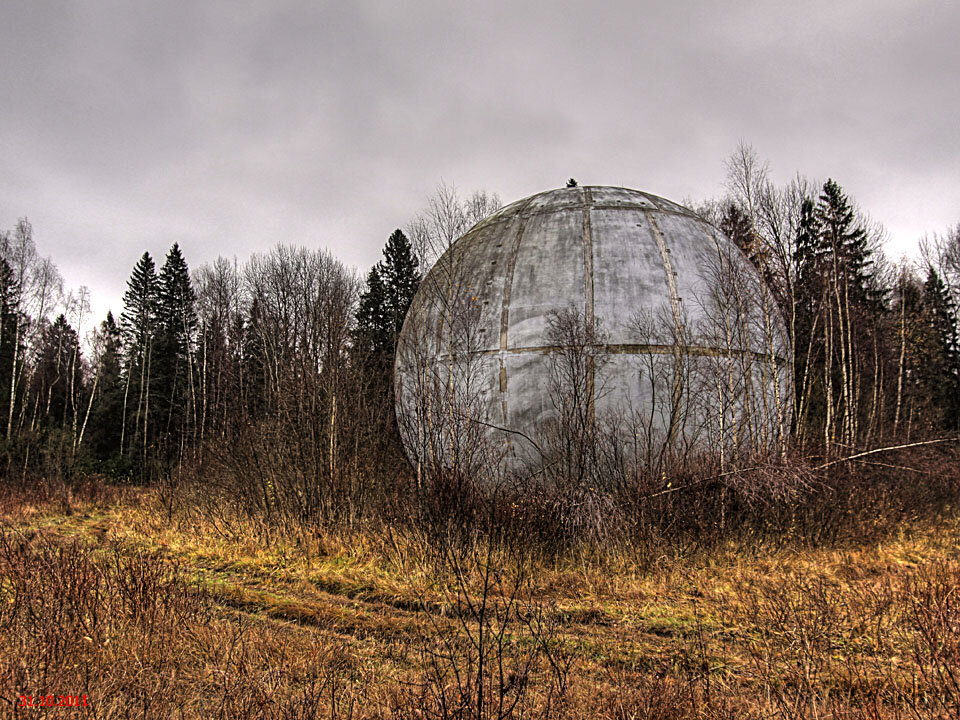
{"x":684,"y":337}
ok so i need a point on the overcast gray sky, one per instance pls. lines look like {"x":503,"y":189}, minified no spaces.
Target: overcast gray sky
{"x":230,"y":126}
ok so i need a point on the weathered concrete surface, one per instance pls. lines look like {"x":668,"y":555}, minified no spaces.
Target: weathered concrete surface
{"x":688,"y":344}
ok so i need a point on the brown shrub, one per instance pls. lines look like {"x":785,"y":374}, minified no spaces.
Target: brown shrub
{"x":124,"y":628}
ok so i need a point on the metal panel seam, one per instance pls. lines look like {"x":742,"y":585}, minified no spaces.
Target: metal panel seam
{"x":677,"y":394}
{"x":589,"y":319}
{"x":505,"y":308}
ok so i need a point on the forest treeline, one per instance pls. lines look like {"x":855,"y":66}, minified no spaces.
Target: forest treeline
{"x":874,"y":344}
{"x":282,"y":362}
{"x":278,"y":370}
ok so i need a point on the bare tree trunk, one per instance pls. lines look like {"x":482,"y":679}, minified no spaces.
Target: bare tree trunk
{"x":855,"y":374}
{"x":36,"y":409}
{"x":828,"y":434}
{"x":882,"y":403}
{"x":13,"y":374}
{"x":333,"y":436}
{"x":844,"y":359}
{"x":875,"y":395}
{"x":721,"y":441}
{"x":143,"y":380}
{"x":774,"y":370}
{"x":731,"y":383}
{"x":73,"y":403}
{"x":903,"y":354}
{"x":123,"y":419}
{"x":204,"y":388}
{"x":146,"y":407}
{"x":86,"y":417}
{"x":193,"y":394}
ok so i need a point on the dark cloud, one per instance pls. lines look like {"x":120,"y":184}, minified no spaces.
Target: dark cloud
{"x":230,"y":126}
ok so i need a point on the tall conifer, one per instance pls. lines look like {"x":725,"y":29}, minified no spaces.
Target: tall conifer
{"x":138,"y":323}
{"x":372,"y":326}
{"x":391,"y":285}
{"x":106,"y":417}
{"x":58,"y":378}
{"x":176,"y":328}
{"x":8,"y":335}
{"x":844,"y":239}
{"x":940,"y":371}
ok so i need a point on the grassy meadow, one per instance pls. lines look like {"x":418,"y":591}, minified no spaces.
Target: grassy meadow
{"x":151,"y":608}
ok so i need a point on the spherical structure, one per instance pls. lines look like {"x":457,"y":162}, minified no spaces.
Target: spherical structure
{"x":597,"y":306}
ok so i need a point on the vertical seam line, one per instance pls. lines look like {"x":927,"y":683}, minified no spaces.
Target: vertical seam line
{"x":588,"y":308}
{"x":505,"y":307}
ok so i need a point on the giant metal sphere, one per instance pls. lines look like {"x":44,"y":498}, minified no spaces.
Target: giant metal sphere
{"x":680,"y":343}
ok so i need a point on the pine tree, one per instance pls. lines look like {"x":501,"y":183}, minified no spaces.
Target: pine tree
{"x":807,"y":253}
{"x":57,"y":378}
{"x":106,"y":415}
{"x":401,"y":278}
{"x":372,"y":326}
{"x":839,"y":308}
{"x":735,"y":224}
{"x":8,"y":335}
{"x":138,"y":325}
{"x":391,"y":285}
{"x":939,"y":371}
{"x":173,"y":353}
{"x":844,"y":240}
{"x":140,"y":306}
{"x":176,"y":306}
{"x":808,"y":257}
{"x":808,"y":298}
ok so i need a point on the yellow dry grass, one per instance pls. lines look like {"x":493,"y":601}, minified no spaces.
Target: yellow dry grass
{"x":733,"y":632}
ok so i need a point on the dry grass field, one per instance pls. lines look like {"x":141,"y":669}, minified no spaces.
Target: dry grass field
{"x":152,"y":611}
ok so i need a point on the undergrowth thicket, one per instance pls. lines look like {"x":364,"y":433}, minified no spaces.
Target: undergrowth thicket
{"x":780,"y":591}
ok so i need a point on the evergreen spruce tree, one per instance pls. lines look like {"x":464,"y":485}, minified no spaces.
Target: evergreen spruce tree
{"x":736,"y":225}
{"x":8,"y":335}
{"x":391,"y":285}
{"x":176,"y":306}
{"x":139,"y":306}
{"x":939,"y":371}
{"x":807,"y":251}
{"x":808,"y":294}
{"x":401,"y":278}
{"x":844,"y":240}
{"x":57,"y":378}
{"x":838,"y":314}
{"x":372,"y":327}
{"x":106,"y":415}
{"x":176,"y":330}
{"x":138,"y":325}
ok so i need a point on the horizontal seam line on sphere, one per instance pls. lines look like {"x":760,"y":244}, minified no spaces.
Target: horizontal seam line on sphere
{"x":580,"y":207}
{"x":627,"y":349}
